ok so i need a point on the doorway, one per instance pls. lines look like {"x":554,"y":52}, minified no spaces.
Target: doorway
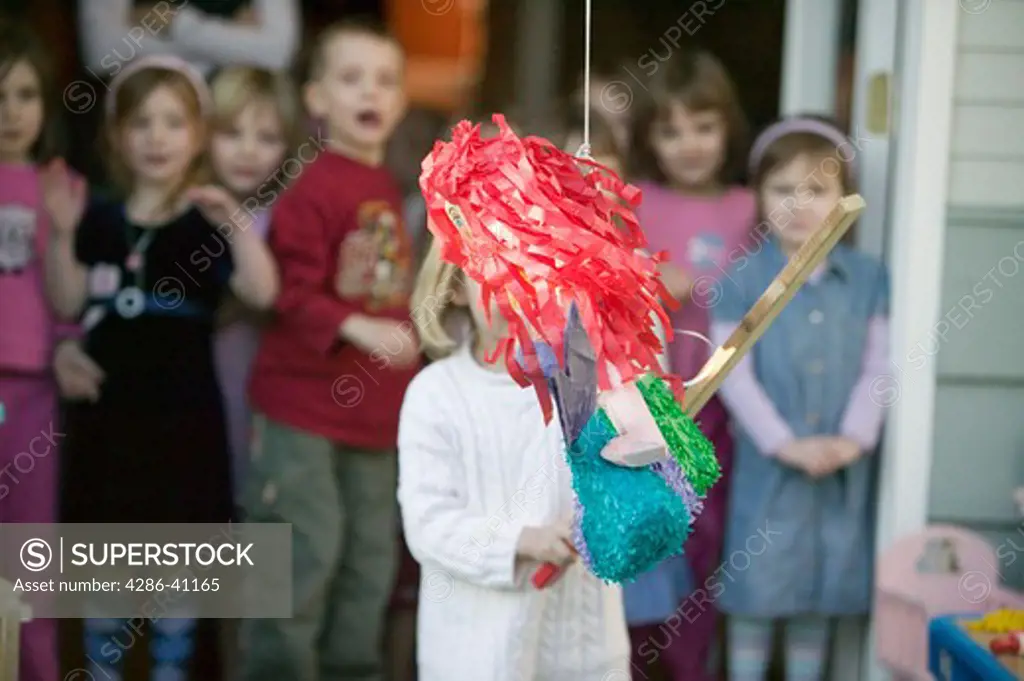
{"x":627,"y":35}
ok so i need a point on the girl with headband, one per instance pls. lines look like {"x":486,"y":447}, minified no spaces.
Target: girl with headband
{"x":808,"y":404}
{"x":146,"y":275}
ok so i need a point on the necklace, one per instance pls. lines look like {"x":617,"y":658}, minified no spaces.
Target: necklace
{"x":135,"y":262}
{"x":130,"y":302}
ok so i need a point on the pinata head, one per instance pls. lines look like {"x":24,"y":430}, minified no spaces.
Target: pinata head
{"x":522,"y":217}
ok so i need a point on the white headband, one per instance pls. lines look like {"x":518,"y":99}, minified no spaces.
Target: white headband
{"x":168,"y":63}
{"x":792,"y":126}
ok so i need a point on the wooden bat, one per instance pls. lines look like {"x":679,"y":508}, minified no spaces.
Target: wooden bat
{"x":770,"y":304}
{"x":756,"y":321}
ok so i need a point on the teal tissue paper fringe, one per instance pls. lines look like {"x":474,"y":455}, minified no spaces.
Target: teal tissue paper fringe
{"x":628,"y":519}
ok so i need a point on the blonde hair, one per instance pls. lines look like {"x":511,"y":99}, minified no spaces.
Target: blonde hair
{"x":236,"y":87}
{"x":433,"y":303}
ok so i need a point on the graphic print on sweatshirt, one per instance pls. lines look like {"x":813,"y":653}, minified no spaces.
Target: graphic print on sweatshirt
{"x":705,"y":250}
{"x":391,"y":272}
{"x":17,"y":238}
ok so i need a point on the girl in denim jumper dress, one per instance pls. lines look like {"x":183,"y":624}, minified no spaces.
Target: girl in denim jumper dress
{"x":799,"y":541}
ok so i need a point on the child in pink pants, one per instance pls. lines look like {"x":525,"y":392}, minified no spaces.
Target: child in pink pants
{"x":29,"y":427}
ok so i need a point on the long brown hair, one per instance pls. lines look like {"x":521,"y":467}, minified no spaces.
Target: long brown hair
{"x":19,"y":44}
{"x":130,"y":97}
{"x":699,"y":82}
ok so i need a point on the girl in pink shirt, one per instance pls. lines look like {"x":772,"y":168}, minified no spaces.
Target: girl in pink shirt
{"x":687,"y":142}
{"x":29,"y":427}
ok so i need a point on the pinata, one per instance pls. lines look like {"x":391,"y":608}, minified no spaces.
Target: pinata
{"x":553,"y":239}
{"x":640,"y":467}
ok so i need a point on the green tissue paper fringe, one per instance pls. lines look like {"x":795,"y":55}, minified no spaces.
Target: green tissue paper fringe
{"x":692,"y":451}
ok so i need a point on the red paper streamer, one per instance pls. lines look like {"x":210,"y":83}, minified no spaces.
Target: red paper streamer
{"x":539,"y":228}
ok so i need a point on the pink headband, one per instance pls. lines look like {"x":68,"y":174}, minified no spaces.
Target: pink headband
{"x":791,"y":126}
{"x":167,"y":62}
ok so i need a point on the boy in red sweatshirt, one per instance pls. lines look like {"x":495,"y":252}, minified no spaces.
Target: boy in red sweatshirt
{"x":331,"y":372}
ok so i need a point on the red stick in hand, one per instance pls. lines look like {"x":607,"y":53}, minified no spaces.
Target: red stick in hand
{"x":548,"y":573}
{"x":545,"y":575}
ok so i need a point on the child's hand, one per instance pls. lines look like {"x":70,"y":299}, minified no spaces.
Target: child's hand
{"x":813,"y":455}
{"x":63,"y":197}
{"x":78,"y":376}
{"x":795,"y":453}
{"x":676,"y":280}
{"x":215,"y":203}
{"x":355,"y":265}
{"x":547,"y":544}
{"x":844,"y":451}
{"x":378,"y":337}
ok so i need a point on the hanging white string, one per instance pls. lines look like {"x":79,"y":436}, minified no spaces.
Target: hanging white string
{"x":584,"y":151}
{"x":699,"y":377}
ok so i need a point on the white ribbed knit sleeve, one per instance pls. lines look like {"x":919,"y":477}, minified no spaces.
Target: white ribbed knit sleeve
{"x":432,"y":490}
{"x":270,"y":44}
{"x":110,"y":38}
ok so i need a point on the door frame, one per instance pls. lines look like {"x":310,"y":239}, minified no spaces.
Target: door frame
{"x":923,"y":97}
{"x":810,"y":56}
{"x":875,"y":59}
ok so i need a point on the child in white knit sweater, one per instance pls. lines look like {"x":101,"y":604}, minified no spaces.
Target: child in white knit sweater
{"x":486,"y":497}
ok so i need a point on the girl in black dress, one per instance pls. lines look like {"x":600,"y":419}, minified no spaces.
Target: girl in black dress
{"x":145,"y":277}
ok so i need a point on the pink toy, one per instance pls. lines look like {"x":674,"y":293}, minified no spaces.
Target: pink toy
{"x":944,"y":570}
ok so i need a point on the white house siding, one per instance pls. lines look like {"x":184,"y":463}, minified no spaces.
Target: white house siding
{"x":979,"y":410}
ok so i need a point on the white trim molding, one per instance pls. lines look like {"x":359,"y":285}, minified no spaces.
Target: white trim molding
{"x":810,"y":56}
{"x":876,"y":44}
{"x":877,"y":22}
{"x":923,"y":126}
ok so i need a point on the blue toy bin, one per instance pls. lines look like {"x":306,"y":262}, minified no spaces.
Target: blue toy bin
{"x":954,"y":656}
